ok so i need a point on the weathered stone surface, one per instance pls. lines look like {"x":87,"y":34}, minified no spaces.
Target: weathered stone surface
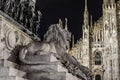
{"x":44,"y":57}
{"x":49,"y":76}
{"x":9,"y":71}
{"x":12,"y":78}
{"x":71,"y":77}
{"x":11,"y":35}
{"x":6,"y":63}
{"x":56,"y":71}
{"x":54,"y":76}
{"x":55,"y":41}
{"x":54,"y":67}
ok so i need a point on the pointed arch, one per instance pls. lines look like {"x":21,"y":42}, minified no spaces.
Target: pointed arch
{"x":98,"y":58}
{"x":97,"y":77}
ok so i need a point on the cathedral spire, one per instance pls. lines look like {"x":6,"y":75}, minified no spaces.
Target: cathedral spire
{"x":85,"y":5}
{"x":73,"y":43}
{"x":86,"y":14}
{"x":68,"y":47}
{"x":66,"y":28}
{"x":34,"y":1}
{"x":91,"y":23}
{"x":108,"y":2}
{"x":66,"y":24}
{"x":60,"y":23}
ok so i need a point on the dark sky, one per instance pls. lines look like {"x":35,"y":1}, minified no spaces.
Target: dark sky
{"x":52,"y":10}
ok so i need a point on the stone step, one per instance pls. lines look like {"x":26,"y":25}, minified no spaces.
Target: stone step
{"x":9,"y":71}
{"x":62,"y":76}
{"x":52,"y":76}
{"x":5,"y":54}
{"x":11,"y":78}
{"x":63,"y":73}
{"x":69,"y":76}
{"x":59,"y":66}
{"x":6,"y":63}
{"x":58,"y":76}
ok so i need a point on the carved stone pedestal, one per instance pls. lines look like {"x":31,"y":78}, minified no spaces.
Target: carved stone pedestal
{"x":11,"y":35}
{"x":52,"y":71}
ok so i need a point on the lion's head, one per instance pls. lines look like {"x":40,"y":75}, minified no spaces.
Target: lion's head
{"x":58,"y":35}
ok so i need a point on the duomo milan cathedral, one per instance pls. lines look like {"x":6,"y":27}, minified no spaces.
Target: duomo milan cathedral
{"x":99,"y":47}
{"x":23,"y":56}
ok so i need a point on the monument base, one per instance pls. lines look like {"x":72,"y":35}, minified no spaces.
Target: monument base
{"x":52,"y":71}
{"x":13,"y":34}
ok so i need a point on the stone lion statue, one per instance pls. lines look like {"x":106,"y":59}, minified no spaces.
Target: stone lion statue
{"x":55,"y":41}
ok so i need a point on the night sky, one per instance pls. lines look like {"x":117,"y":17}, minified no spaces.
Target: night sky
{"x":52,"y":10}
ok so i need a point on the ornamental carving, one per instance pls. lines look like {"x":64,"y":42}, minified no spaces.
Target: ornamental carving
{"x":10,"y":39}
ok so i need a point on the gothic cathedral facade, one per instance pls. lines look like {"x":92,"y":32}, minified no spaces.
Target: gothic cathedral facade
{"x":99,"y":47}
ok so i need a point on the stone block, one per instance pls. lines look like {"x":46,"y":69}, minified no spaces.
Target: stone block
{"x":47,"y":76}
{"x":71,"y":77}
{"x":11,"y":78}
{"x":9,"y":71}
{"x":59,"y":66}
{"x":58,"y":76}
{"x":6,"y":63}
{"x":52,"y":76}
{"x":6,"y":55}
{"x":12,"y":34}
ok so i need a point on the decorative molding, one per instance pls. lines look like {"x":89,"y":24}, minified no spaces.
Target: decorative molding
{"x":10,"y":39}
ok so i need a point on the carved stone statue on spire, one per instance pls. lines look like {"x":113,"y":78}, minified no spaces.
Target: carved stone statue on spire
{"x":17,"y":9}
{"x":23,"y":11}
{"x":60,"y":22}
{"x":2,"y":2}
{"x":7,"y":6}
{"x":66,"y":23}
{"x":30,"y":16}
{"x":14,"y":10}
{"x":37,"y":22}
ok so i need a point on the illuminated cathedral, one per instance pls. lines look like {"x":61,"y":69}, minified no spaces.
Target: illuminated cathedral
{"x":98,"y":49}
{"x":99,"y":46}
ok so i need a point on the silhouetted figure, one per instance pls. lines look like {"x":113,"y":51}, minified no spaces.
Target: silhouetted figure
{"x":37,"y":22}
{"x":2,"y":2}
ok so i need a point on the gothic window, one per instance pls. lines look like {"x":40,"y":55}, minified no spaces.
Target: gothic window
{"x":98,"y":58}
{"x":85,"y":35}
{"x":98,"y":40}
{"x":97,"y":77}
{"x":101,"y":35}
{"x":80,"y":55}
{"x":98,"y":36}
